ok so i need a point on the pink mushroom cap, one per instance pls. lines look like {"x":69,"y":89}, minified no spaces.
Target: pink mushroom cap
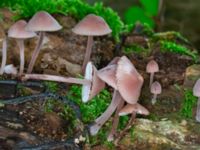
{"x":196,"y":88}
{"x":152,"y":67}
{"x":92,"y":25}
{"x":156,"y":88}
{"x":130,"y":108}
{"x":129,"y":81}
{"x":43,"y":21}
{"x":18,"y":31}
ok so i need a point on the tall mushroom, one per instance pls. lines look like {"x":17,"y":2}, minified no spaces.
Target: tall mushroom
{"x":155,"y":90}
{"x":90,"y":26}
{"x":4,"y":55}
{"x":41,"y":22}
{"x":196,"y":92}
{"x":18,"y":32}
{"x":151,"y":68}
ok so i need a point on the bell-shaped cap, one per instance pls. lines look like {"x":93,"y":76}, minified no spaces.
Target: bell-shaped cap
{"x":43,"y":21}
{"x":18,"y":31}
{"x":92,"y":25}
{"x":196,"y":89}
{"x":129,"y":81}
{"x":96,"y":85}
{"x":108,"y":75}
{"x":130,"y":108}
{"x":156,"y":88}
{"x":152,"y":67}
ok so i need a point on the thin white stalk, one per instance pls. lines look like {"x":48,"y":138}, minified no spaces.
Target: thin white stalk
{"x":36,"y":52}
{"x":4,"y":56}
{"x":55,"y":78}
{"x":20,"y":43}
{"x":88,"y":52}
{"x":99,"y":122}
{"x":153,"y":101}
{"x":115,"y":122}
{"x":151,"y":79}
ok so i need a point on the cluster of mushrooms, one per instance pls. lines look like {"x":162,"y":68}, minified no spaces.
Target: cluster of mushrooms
{"x":120,"y":73}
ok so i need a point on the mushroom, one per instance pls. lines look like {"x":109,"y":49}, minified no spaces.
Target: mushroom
{"x":41,"y":22}
{"x":18,"y":32}
{"x":155,"y":90}
{"x":90,"y":26}
{"x":92,"y":85}
{"x":151,"y":68}
{"x":196,"y":92}
{"x":107,"y":74}
{"x":4,"y":56}
{"x":129,"y":81}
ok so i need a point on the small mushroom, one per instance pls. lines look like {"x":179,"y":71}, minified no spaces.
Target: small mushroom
{"x":196,"y":92}
{"x":151,"y":68}
{"x":41,"y":22}
{"x":4,"y":55}
{"x":130,"y":108}
{"x":90,"y":26}
{"x":155,"y":90}
{"x":18,"y":32}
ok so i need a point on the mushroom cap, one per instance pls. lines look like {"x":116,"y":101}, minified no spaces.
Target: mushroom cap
{"x":96,"y":85}
{"x":43,"y":21}
{"x":196,"y":88}
{"x":18,"y":31}
{"x":152,"y":67}
{"x":92,"y":25}
{"x":156,"y":88}
{"x":107,"y":74}
{"x":130,"y":108}
{"x":129,"y":81}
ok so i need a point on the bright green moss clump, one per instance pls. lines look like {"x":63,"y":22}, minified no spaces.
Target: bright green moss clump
{"x":176,"y":48}
{"x":188,"y":104}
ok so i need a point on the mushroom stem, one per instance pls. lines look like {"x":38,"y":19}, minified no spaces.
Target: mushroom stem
{"x":151,"y":79}
{"x":36,"y":52}
{"x":198,"y":111}
{"x":55,"y":78}
{"x":4,"y":56}
{"x":88,"y":52}
{"x":115,"y":122}
{"x":106,"y":115}
{"x":153,"y":101}
{"x":20,"y":43}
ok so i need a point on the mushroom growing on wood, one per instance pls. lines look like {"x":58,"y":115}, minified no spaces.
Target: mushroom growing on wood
{"x":18,"y":32}
{"x":155,"y":90}
{"x":92,"y":85}
{"x":10,"y":69}
{"x":196,"y":92}
{"x":4,"y":56}
{"x":41,"y":22}
{"x":151,"y":68}
{"x":90,"y":26}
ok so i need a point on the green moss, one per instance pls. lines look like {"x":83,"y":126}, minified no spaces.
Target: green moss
{"x":91,"y":110}
{"x":64,"y":111}
{"x":177,"y":48}
{"x":76,"y":8}
{"x":189,"y":102}
{"x":136,"y":49}
{"x":51,"y":86}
